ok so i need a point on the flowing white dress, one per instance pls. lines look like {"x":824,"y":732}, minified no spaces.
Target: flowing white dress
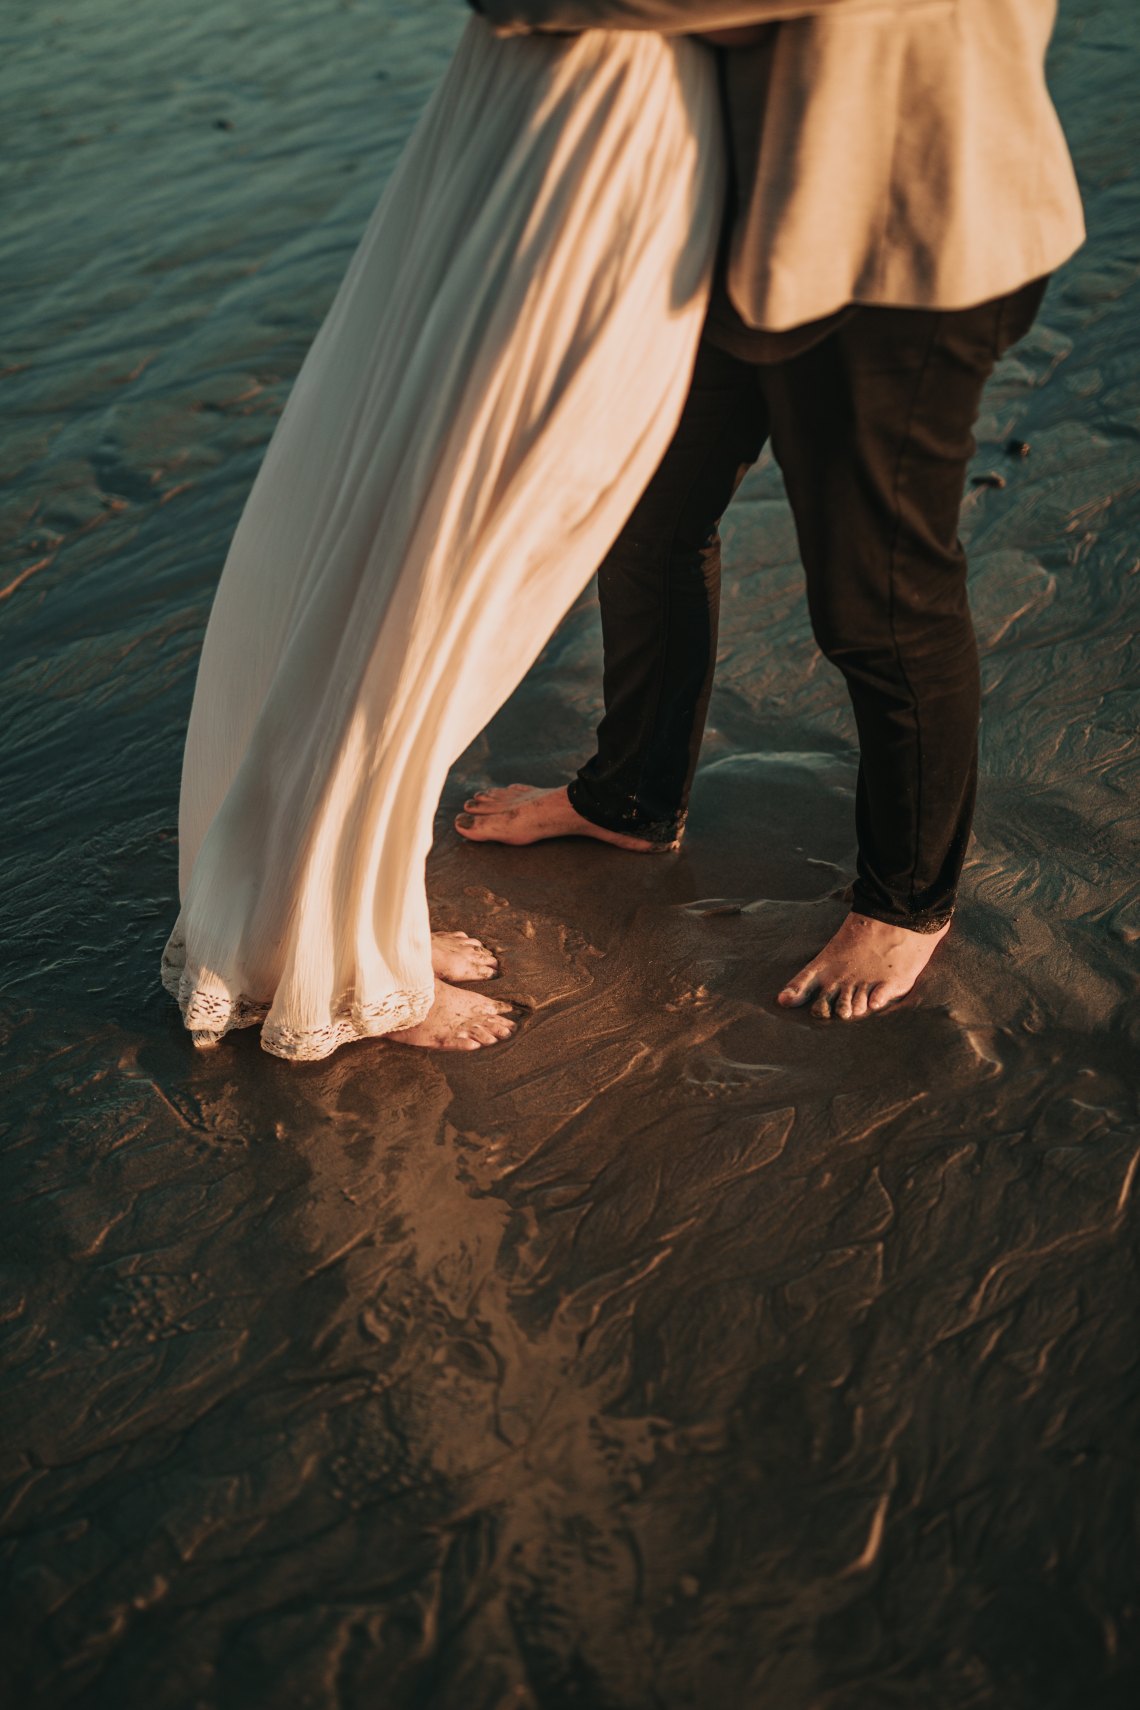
{"x":495,"y":382}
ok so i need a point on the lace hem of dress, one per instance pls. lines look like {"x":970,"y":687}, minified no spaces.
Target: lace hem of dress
{"x":210,"y":1015}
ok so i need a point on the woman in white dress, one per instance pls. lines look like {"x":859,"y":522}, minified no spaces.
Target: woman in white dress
{"x":495,"y":382}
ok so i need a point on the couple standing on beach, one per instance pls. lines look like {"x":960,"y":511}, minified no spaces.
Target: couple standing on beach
{"x":629,"y":242}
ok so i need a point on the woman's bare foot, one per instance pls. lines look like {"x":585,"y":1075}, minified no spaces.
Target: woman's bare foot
{"x":520,"y":814}
{"x":458,"y":1021}
{"x":865,"y":967}
{"x":456,"y":956}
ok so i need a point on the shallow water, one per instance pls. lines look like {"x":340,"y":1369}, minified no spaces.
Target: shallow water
{"x":683,"y":1351}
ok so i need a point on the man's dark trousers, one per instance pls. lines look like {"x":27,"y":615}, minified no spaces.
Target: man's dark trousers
{"x":872,"y":426}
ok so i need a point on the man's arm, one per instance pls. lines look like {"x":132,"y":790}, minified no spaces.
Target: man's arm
{"x":667,"y":17}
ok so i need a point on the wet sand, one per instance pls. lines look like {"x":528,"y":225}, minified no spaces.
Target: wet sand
{"x":684,"y":1351}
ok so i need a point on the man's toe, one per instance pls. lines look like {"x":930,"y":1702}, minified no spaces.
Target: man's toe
{"x":799,"y":989}
{"x":859,"y":999}
{"x":474,"y":826}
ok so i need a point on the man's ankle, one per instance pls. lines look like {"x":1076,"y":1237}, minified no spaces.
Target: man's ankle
{"x":626,"y":820}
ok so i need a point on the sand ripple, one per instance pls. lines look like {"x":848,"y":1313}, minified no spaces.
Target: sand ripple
{"x":683,"y":1352}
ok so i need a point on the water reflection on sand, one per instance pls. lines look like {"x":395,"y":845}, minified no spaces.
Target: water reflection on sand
{"x":683,"y":1351}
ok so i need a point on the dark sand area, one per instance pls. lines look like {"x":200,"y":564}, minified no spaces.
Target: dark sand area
{"x":682,"y":1352}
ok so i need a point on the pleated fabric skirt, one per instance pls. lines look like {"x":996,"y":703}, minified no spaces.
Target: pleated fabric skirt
{"x":498,"y":376}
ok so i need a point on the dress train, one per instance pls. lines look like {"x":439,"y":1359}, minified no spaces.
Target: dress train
{"x":497,"y":378}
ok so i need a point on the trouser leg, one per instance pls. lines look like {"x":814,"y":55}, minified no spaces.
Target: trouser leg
{"x":659,"y":589}
{"x":873,"y":429}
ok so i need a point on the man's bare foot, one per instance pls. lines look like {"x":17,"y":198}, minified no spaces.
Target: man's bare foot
{"x":455,"y":956}
{"x":865,"y":967}
{"x":458,"y":1021}
{"x":520,"y":814}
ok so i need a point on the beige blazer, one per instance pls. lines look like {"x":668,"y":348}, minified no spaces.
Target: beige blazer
{"x":885,"y":151}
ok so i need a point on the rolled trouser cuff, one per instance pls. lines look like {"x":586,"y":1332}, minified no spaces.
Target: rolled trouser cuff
{"x":624,"y":816}
{"x":922,"y":920}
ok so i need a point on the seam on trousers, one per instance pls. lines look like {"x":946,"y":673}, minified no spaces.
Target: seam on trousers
{"x":891,"y":569}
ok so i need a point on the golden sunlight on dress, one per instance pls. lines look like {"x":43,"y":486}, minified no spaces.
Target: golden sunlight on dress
{"x":495,"y":382}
